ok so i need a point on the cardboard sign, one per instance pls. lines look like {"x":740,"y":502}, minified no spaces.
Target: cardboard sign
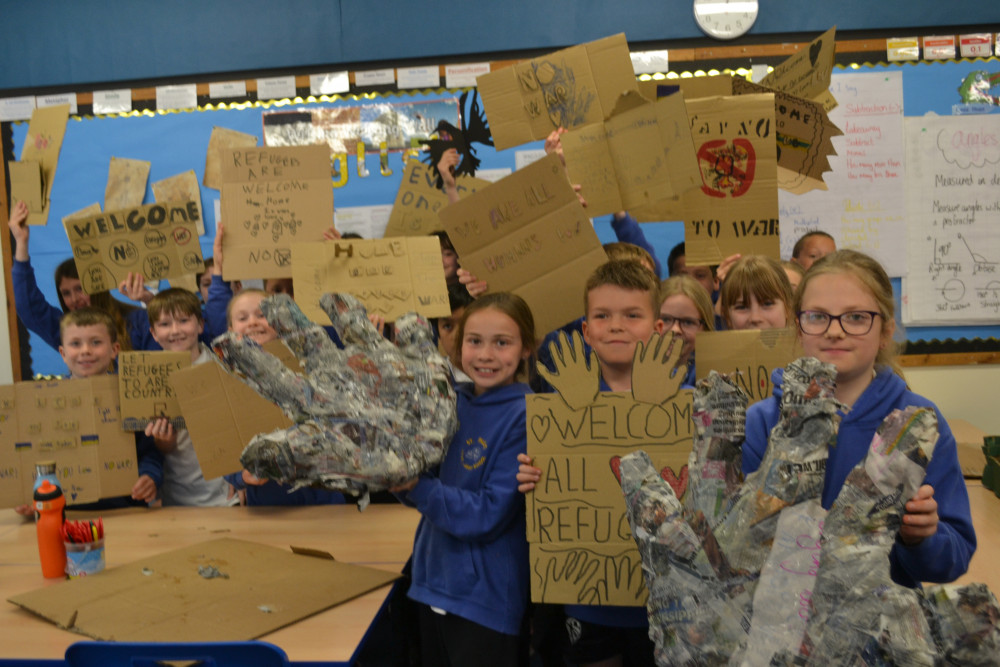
{"x":85,"y":212}
{"x":693,"y":88}
{"x":75,"y":423}
{"x":749,"y":356}
{"x":569,"y":88}
{"x":222,"y":415}
{"x":390,"y":276}
{"x":807,"y":73}
{"x":144,"y":387}
{"x":642,"y":154}
{"x":221,"y":139}
{"x":189,"y":607}
{"x":418,"y":200}
{"x":157,"y":240}
{"x":271,"y":198}
{"x":41,"y":145}
{"x":126,"y":186}
{"x":528,"y":234}
{"x":182,"y":187}
{"x":736,"y":208}
{"x":26,"y":185}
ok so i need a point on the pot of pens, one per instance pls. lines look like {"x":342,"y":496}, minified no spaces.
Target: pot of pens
{"x":84,"y":547}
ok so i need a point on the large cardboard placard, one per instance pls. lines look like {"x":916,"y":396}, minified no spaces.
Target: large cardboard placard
{"x":749,"y":356}
{"x":157,"y":240}
{"x":190,"y":608}
{"x":75,"y":423}
{"x":126,"y":186}
{"x":390,"y":276}
{"x":181,"y":187}
{"x":26,"y":185}
{"x":144,"y":387}
{"x":736,"y":208}
{"x":271,"y":198}
{"x":418,"y":200}
{"x":807,"y":73}
{"x":222,"y":415}
{"x":569,"y":88}
{"x":642,"y":154}
{"x":528,"y":234}
{"x":46,"y":130}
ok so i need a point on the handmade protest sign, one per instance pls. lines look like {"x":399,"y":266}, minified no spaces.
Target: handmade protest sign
{"x":568,"y":88}
{"x":528,"y":234}
{"x":181,"y":187}
{"x":156,"y":240}
{"x":580,"y":546}
{"x":144,"y":387}
{"x":748,"y":357}
{"x":415,"y":212}
{"x":46,"y":130}
{"x":807,"y":73}
{"x":389,"y":276}
{"x":26,"y":185}
{"x":642,"y":154}
{"x":271,"y":198}
{"x":221,"y":139}
{"x":736,"y":208}
{"x":126,"y":186}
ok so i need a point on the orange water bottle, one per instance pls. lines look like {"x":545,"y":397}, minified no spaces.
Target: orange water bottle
{"x":50,"y":506}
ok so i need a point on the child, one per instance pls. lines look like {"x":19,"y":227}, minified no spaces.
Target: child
{"x":470,"y":555}
{"x":845,"y":316}
{"x":89,"y":348}
{"x":794,"y":273}
{"x":177,"y":325}
{"x":449,"y":258}
{"x":686,"y":309}
{"x":756,"y":294}
{"x":447,"y":328}
{"x":811,"y":246}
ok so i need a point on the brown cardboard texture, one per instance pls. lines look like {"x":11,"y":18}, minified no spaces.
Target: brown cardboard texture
{"x":736,"y":208}
{"x":222,"y":415}
{"x":145,"y":393}
{"x":581,"y":547}
{"x":390,"y":276}
{"x":181,"y":187}
{"x":418,"y":200}
{"x":528,"y":234}
{"x":807,"y":73}
{"x":221,"y":139}
{"x":804,"y":133}
{"x":271,"y":198}
{"x":46,"y":130}
{"x":85,"y":212}
{"x":569,"y":88}
{"x":26,"y":185}
{"x":693,"y":88}
{"x":749,"y":356}
{"x":74,"y":423}
{"x":126,"y":187}
{"x":157,"y":240}
{"x":642,"y":154}
{"x":165,"y":599}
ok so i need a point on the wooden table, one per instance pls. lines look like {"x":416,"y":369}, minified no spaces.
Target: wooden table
{"x":380,"y":537}
{"x":986,"y":519}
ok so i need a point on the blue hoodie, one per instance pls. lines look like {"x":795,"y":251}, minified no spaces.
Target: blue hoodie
{"x":940,"y":558}
{"x":470,"y":555}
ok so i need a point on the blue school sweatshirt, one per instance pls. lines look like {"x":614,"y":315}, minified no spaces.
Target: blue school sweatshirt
{"x":940,"y":558}
{"x":470,"y":554}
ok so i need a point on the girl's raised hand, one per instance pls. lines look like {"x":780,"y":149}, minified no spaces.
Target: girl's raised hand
{"x":134,"y":287}
{"x":921,"y":518}
{"x":217,"y":250}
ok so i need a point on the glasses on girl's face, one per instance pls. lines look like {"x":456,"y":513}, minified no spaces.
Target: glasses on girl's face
{"x":853,"y":322}
{"x":687,"y":324}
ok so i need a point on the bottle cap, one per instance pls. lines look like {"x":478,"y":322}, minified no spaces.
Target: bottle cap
{"x":47,"y":491}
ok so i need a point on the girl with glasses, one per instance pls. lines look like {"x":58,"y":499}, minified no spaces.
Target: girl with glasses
{"x":686,"y":309}
{"x":845,"y":315}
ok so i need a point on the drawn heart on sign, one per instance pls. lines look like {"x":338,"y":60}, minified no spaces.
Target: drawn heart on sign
{"x":540,"y":427}
{"x":679,"y":485}
{"x":814,"y":50}
{"x":616,"y":467}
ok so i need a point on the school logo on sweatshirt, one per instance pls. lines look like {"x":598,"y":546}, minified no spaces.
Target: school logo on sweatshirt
{"x":473,"y":453}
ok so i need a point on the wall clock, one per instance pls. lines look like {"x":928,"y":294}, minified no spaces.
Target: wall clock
{"x":725,"y":19}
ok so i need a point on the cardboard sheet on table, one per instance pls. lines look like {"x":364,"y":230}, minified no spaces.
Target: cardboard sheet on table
{"x":181,"y":187}
{"x":751,"y":355}
{"x":126,"y":187}
{"x":569,"y":88}
{"x":222,"y":415}
{"x":418,"y":200}
{"x":46,"y":130}
{"x":164,"y":599}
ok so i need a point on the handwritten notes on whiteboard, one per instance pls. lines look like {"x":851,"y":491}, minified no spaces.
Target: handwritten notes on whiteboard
{"x":953,"y":214}
{"x":863,"y":207}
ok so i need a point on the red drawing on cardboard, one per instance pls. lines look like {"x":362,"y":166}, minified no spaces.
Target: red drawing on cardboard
{"x":727,"y":169}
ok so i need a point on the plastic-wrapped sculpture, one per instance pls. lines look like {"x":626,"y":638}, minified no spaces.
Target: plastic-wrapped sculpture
{"x":367,"y":417}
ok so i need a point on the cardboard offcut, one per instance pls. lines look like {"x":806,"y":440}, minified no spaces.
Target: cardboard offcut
{"x":126,"y":187}
{"x":749,"y":356}
{"x":807,"y":73}
{"x":165,"y":599}
{"x":569,"y":88}
{"x":26,"y":185}
{"x":181,"y":187}
{"x":418,"y":200}
{"x":390,"y":276}
{"x":271,"y":198}
{"x":144,"y":387}
{"x":221,"y":139}
{"x":528,"y":234}
{"x":46,"y":130}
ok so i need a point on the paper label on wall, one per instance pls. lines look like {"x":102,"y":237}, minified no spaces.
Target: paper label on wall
{"x":157,"y":240}
{"x":183,"y":96}
{"x":390,"y":276}
{"x":418,"y":200}
{"x":367,"y":221}
{"x":902,"y":48}
{"x":225,"y":89}
{"x":528,"y":234}
{"x":329,"y":83}
{"x":979,"y":45}
{"x":464,"y":75}
{"x":650,"y":62}
{"x":55,"y":100}
{"x":275,"y":88}
{"x":418,"y":77}
{"x":748,"y":356}
{"x":375,"y":77}
{"x":126,"y":185}
{"x":112,"y":101}
{"x":271,"y":198}
{"x":181,"y":187}
{"x":939,"y":48}
{"x":16,"y":108}
{"x":144,"y":387}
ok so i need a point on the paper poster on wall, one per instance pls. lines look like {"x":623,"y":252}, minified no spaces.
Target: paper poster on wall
{"x":158,"y":240}
{"x":953,"y":220}
{"x":390,"y":276}
{"x":863,"y":207}
{"x":144,"y":387}
{"x":369,"y":222}
{"x":418,"y":200}
{"x":271,"y":198}
{"x":126,"y":186}
{"x":736,"y":208}
{"x":747,"y":356}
